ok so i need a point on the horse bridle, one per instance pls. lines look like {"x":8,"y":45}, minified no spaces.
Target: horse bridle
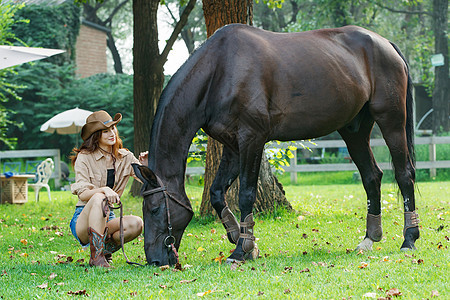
{"x":169,"y":240}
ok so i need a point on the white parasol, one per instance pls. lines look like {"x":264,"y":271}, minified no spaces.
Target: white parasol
{"x":11,"y":55}
{"x":67,"y":122}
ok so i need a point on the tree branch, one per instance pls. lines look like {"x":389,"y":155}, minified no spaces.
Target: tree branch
{"x":113,"y":13}
{"x":176,"y":31}
{"x":414,"y":12}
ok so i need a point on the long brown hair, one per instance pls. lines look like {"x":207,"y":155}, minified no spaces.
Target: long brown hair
{"x":90,"y":145}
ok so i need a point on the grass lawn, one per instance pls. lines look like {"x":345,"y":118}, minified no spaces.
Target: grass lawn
{"x":306,"y":254}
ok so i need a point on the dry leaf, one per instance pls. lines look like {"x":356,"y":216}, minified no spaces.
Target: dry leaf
{"x":434,"y":294}
{"x":165,"y":267}
{"x":287,"y":291}
{"x":213,"y":231}
{"x":188,"y":281}
{"x":200,"y":249}
{"x":43,"y":286}
{"x":163,"y":286}
{"x":370,"y":295}
{"x":363,"y":265}
{"x":204,"y":293}
{"x":132,"y":294}
{"x":260,"y":293}
{"x":52,"y":276}
{"x":394,"y":292}
{"x":80,"y":292}
{"x":24,"y":242}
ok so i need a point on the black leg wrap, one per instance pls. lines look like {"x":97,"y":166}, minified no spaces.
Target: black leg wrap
{"x":411,"y":230}
{"x":374,"y":229}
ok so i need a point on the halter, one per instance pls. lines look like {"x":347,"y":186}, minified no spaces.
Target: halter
{"x":169,"y":240}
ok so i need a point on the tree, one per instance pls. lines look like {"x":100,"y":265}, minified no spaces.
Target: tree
{"x":7,"y":12}
{"x":441,"y":93}
{"x":148,"y":66}
{"x":438,"y":13}
{"x":103,"y":13}
{"x":270,"y":192}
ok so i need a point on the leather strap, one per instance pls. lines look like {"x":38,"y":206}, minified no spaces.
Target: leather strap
{"x":106,"y":207}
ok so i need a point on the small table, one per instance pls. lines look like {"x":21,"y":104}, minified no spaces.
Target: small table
{"x":15,"y":188}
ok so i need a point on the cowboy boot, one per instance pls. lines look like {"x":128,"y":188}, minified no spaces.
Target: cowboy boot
{"x":97,"y":246}
{"x":231,"y":225}
{"x":110,"y":248}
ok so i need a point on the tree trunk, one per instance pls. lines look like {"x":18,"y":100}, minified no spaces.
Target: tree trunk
{"x":148,"y":66}
{"x":148,"y":74}
{"x":217,"y":14}
{"x":441,"y":95}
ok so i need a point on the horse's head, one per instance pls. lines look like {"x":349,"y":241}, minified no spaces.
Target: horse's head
{"x":165,"y":219}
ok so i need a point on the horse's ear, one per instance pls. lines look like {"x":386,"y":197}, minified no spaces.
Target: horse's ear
{"x":145,"y":175}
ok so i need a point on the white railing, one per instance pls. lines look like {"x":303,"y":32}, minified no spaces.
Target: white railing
{"x":432,"y":164}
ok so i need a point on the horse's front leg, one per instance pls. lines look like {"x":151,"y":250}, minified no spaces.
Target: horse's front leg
{"x":250,"y":161}
{"x":225,"y":176}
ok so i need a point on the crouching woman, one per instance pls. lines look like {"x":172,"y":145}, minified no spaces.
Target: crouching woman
{"x":102,"y":169}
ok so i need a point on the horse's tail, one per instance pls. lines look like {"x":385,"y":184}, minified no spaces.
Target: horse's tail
{"x":409,"y":111}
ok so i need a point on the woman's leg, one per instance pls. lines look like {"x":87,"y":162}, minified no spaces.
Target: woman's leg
{"x":91,"y":216}
{"x":132,"y":228}
{"x":91,"y":228}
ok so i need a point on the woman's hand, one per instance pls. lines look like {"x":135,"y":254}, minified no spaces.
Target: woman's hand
{"x":112,"y":196}
{"x":143,"y":158}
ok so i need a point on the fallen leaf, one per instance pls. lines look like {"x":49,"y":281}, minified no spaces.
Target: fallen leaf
{"x":394,"y":292}
{"x":304,"y":270}
{"x":287,"y":291}
{"x":163,"y":286}
{"x":370,"y":295}
{"x":52,"y":276}
{"x":165,"y":267}
{"x":363,"y":265}
{"x":24,"y":242}
{"x":132,"y":294}
{"x":434,"y":294}
{"x":204,"y":293}
{"x":213,"y":231}
{"x":80,"y":292}
{"x":188,"y":281}
{"x":200,"y":249}
{"x":260,"y":293}
{"x":125,"y":281}
{"x":43,"y":286}
{"x":24,"y":254}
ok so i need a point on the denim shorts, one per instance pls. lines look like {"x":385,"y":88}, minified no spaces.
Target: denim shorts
{"x":73,"y":222}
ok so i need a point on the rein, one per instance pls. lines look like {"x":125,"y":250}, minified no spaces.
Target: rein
{"x":169,"y":241}
{"x":106,"y":208}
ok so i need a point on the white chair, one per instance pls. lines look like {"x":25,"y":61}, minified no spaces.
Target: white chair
{"x":43,"y":173}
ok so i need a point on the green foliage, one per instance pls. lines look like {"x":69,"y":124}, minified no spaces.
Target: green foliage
{"x":50,"y":26}
{"x":51,"y":89}
{"x":7,"y":89}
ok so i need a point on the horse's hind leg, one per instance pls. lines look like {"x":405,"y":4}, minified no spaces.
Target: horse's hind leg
{"x":226,"y":174}
{"x":359,"y":148}
{"x":394,"y":119}
{"x":405,"y":177}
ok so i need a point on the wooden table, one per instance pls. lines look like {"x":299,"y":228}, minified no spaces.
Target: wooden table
{"x":15,"y":188}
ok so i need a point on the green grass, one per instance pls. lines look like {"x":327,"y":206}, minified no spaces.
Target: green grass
{"x":304,"y":254}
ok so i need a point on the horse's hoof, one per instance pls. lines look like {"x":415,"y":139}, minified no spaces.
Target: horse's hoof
{"x":411,"y":235}
{"x":235,"y":257}
{"x":365,"y":245}
{"x":408,"y":246}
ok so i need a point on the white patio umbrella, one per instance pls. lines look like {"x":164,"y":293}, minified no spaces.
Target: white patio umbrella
{"x":67,"y":122}
{"x":12,"y":55}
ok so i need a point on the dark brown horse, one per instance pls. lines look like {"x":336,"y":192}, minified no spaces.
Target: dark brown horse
{"x":246,"y":86}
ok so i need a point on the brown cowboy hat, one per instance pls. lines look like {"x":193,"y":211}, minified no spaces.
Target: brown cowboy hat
{"x":98,"y":120}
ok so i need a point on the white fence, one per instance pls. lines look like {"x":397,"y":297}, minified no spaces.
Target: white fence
{"x":432,"y":164}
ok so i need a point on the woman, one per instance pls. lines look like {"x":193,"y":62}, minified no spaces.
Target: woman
{"x":102,"y":169}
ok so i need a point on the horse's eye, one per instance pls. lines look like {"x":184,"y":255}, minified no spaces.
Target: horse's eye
{"x":154,"y":211}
